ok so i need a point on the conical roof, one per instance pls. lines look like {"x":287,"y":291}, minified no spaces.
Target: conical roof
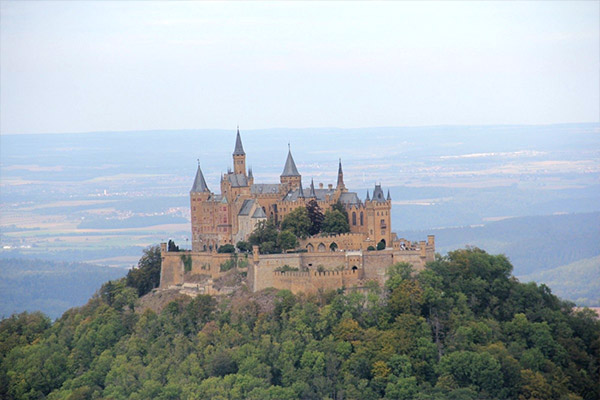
{"x":199,"y":182}
{"x":239,"y":149}
{"x":300,"y":191}
{"x":388,"y":196}
{"x":368,"y":198}
{"x":290,"y":166}
{"x":312,"y":193}
{"x":340,"y":179}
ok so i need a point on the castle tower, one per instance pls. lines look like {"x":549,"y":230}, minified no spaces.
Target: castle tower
{"x":239,"y":156}
{"x":290,"y":174}
{"x":199,"y":194}
{"x":379,"y":216}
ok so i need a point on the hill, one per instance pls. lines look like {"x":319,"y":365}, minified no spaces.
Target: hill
{"x":50,"y":287}
{"x":533,"y":244}
{"x":578,"y":281}
{"x":461,"y":329}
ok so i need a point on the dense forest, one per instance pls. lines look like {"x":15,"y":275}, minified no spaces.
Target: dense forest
{"x":463,"y":328}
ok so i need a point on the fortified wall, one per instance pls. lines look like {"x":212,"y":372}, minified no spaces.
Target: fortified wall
{"x":306,"y":272}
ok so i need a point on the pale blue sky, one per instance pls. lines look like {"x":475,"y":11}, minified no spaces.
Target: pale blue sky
{"x":91,"y":66}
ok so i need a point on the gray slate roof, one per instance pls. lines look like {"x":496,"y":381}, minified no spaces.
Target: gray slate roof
{"x":199,"y":183}
{"x":294,"y":195}
{"x":259,"y":188}
{"x":246,"y":207}
{"x":349,"y":198}
{"x":259,"y":213}
{"x":378,"y":194}
{"x":290,"y":166}
{"x":239,"y":149}
{"x":237,"y":180}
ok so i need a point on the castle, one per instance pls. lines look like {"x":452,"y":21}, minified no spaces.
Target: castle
{"x":321,"y":262}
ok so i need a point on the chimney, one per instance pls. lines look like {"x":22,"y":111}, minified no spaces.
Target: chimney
{"x":330,"y":186}
{"x":321,"y":185}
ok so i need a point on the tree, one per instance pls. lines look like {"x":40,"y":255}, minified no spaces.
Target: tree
{"x":226,"y":248}
{"x":335,"y":223}
{"x":244,"y":247}
{"x":297,"y":222}
{"x":146,"y":276}
{"x":286,"y":240}
{"x":265,"y":231}
{"x":171,"y":246}
{"x":315,"y":214}
{"x":340,"y":207}
{"x":381,"y":245}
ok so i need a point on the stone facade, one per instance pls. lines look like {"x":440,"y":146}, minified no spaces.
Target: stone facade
{"x":324,"y":263}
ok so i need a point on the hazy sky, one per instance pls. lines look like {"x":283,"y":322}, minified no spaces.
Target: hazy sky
{"x":90,"y":66}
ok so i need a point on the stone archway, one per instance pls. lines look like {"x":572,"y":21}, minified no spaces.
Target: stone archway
{"x":310,"y":248}
{"x":333,"y":246}
{"x":321,"y":248}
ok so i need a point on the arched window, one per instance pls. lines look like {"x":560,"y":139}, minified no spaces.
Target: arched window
{"x":321,"y":248}
{"x":353,"y":218}
{"x":333,"y":246}
{"x":310,"y":248}
{"x":361,"y":218}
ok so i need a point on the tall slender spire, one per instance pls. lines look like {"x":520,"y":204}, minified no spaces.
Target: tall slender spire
{"x":290,"y":166}
{"x":199,"y":182}
{"x":368,"y":198}
{"x":250,"y":173}
{"x":239,"y":149}
{"x":388,"y":196}
{"x":312,"y":193}
{"x":340,"y":179}
{"x":300,"y":190}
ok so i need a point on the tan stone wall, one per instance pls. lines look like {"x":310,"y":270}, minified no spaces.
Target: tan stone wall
{"x":172,"y":269}
{"x":313,"y":281}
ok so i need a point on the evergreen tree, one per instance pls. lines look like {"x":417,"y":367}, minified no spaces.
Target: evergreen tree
{"x":315,"y":214}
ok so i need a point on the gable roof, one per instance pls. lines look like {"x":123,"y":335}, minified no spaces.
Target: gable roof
{"x":246,"y":207}
{"x":259,"y":213}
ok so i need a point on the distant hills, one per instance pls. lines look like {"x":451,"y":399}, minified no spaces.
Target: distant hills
{"x":578,"y":281}
{"x":533,"y":244}
{"x":50,"y":287}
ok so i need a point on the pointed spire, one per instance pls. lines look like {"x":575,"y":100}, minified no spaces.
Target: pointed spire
{"x":389,"y":198}
{"x":340,"y":179}
{"x":199,"y":182}
{"x":368,"y":198}
{"x":239,"y":149}
{"x":300,"y":191}
{"x":312,"y":193}
{"x":290,"y":166}
{"x":250,"y":173}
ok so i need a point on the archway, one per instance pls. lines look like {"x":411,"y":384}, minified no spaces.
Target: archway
{"x":354,"y":268}
{"x":310,"y":248}
{"x":321,"y":248}
{"x":333,"y":246}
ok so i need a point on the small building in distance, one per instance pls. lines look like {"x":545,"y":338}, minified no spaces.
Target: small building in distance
{"x":325,"y":262}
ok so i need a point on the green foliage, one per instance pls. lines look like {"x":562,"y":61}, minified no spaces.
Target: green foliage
{"x":286,"y":268}
{"x":146,"y":276}
{"x":335,"y":222}
{"x":381,"y":245}
{"x":463,"y":328}
{"x":229,"y":264}
{"x":244,"y":247}
{"x":226,"y":248}
{"x":370,"y":248}
{"x":171,"y":246}
{"x":315,"y":214}
{"x":286,"y":240}
{"x":338,"y":206}
{"x":297,"y":222}
{"x":186,"y":259}
{"x":265,"y":236}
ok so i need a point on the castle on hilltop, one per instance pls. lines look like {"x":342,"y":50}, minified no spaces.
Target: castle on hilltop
{"x":321,"y":261}
{"x":231,"y":216}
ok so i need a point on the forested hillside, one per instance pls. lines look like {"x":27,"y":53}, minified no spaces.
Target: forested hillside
{"x":461,"y":329}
